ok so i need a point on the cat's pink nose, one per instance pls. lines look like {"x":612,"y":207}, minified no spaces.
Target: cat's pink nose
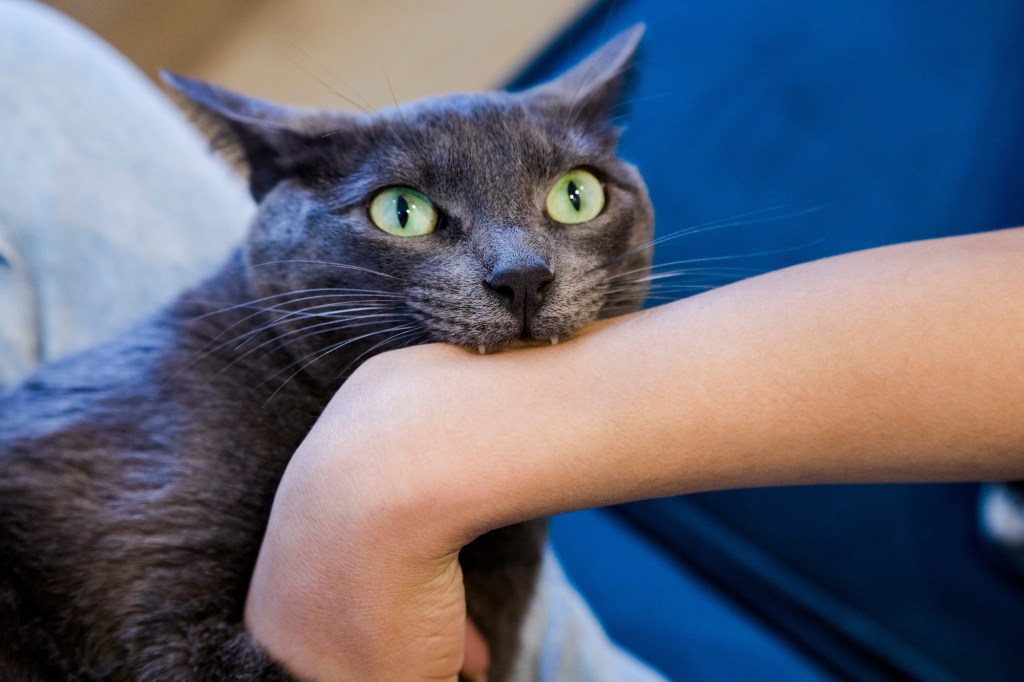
{"x":522,"y":287}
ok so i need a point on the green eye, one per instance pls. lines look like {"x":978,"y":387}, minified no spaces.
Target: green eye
{"x":403,"y":212}
{"x":576,"y":198}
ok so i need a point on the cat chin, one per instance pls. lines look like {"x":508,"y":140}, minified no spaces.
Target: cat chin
{"x":484,"y":349}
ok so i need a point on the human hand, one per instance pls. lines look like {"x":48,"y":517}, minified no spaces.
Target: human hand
{"x":358,"y":575}
{"x":421,"y":451}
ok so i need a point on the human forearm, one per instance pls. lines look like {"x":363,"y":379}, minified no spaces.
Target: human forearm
{"x":901,"y":363}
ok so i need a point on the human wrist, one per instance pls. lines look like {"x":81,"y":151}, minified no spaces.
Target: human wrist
{"x":531,"y":431}
{"x":350,"y":540}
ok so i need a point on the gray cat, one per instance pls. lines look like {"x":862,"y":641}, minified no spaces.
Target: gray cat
{"x":136,"y":478}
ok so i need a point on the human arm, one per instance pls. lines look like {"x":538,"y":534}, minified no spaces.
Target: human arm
{"x":900,"y":363}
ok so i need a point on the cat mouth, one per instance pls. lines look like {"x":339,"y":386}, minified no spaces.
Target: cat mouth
{"x":521,"y":342}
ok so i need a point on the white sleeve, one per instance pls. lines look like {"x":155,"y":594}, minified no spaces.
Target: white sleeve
{"x":564,"y":642}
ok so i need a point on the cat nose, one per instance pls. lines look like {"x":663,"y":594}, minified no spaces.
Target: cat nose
{"x":522,"y":288}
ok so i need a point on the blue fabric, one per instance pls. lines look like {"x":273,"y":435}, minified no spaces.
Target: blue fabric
{"x":850,"y":124}
{"x":665,"y":612}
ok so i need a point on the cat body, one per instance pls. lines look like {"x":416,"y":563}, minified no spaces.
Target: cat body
{"x":136,"y":478}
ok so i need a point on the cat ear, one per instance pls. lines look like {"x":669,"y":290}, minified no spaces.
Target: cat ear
{"x":267,"y":142}
{"x":592,"y":88}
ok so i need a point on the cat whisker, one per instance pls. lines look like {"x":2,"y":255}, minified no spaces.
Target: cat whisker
{"x":401,"y":116}
{"x":668,"y":298}
{"x":330,"y":89}
{"x":362,"y":105}
{"x":319,"y":311}
{"x":334,"y":292}
{"x":251,"y":304}
{"x":626,"y":297}
{"x":332,"y":327}
{"x":652,"y":282}
{"x":322,"y":328}
{"x":391,"y":339}
{"x":243,"y":339}
{"x":690,"y":271}
{"x":708,"y":259}
{"x":657,"y":276}
{"x":337,"y":291}
{"x":212,"y":345}
{"x":629,"y":293}
{"x":345,"y":266}
{"x":684,"y":232}
{"x":739,"y":220}
{"x":671,"y":283}
{"x":365,"y":106}
{"x":634,"y":290}
{"x":217,"y":343}
{"x":289,"y":318}
{"x":332,"y":309}
{"x":321,"y":354}
{"x":646,"y":290}
{"x":660,"y":287}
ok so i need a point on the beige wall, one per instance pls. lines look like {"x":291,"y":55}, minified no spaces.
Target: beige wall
{"x":332,"y":53}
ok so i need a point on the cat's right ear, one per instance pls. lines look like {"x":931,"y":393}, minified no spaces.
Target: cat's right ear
{"x":266,"y":142}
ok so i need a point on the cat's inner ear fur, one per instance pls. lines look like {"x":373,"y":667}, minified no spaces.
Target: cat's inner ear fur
{"x":264,"y":141}
{"x":592,"y":88}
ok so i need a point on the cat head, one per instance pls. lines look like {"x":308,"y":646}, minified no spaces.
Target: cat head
{"x":476,"y":219}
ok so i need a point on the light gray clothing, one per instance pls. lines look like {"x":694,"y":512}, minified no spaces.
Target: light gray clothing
{"x":110,"y":203}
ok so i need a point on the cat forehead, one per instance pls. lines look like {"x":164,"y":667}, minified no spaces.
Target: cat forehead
{"x":481,"y":131}
{"x":464,"y":109}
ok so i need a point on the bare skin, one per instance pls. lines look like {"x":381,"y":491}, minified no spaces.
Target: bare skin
{"x":903,"y":363}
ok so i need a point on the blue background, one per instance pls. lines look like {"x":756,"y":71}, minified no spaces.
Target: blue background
{"x":845,"y":125}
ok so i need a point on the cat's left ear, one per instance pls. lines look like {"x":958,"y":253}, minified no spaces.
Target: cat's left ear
{"x":267,"y":142}
{"x":592,"y":88}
